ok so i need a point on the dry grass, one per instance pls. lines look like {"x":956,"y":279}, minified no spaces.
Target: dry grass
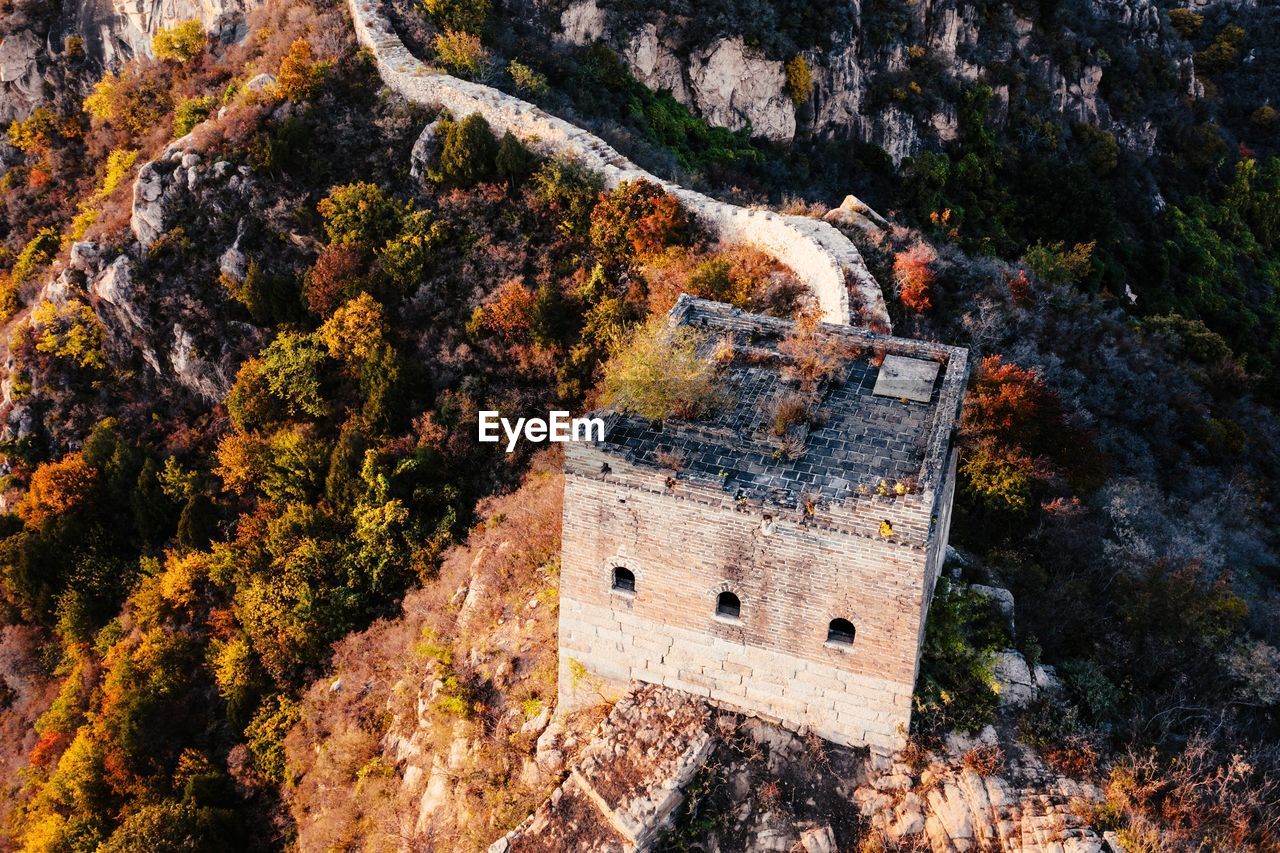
{"x":500,"y":649}
{"x":985,"y":759}
{"x":789,"y":411}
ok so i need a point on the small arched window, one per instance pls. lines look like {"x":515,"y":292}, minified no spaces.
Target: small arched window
{"x":728,"y":605}
{"x":624,"y":580}
{"x":840,"y":632}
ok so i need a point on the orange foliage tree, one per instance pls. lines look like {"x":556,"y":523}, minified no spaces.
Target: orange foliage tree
{"x":299,"y":74}
{"x":57,"y":488}
{"x":638,"y":217}
{"x":508,"y":314}
{"x":338,"y":273}
{"x":913,"y":269}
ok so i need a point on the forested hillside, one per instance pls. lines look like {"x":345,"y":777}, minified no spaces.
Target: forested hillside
{"x":249,"y":324}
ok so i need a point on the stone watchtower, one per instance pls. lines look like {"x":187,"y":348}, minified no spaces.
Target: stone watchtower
{"x":787,"y":576}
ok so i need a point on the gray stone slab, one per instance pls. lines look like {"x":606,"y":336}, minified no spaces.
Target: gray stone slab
{"x":902,"y":377}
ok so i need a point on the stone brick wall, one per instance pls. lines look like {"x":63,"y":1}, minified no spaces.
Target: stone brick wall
{"x":818,"y":253}
{"x":792,"y":581}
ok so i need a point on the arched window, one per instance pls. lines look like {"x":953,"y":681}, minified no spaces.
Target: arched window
{"x":728,"y":605}
{"x":840,"y":632}
{"x":624,"y":580}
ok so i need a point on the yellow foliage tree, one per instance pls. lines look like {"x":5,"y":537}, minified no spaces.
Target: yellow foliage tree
{"x":355,"y":331}
{"x":299,"y":73}
{"x":799,"y":80}
{"x":119,"y":166}
{"x":659,"y":373}
{"x":180,"y":43}
{"x":70,"y":332}
{"x":461,"y":52}
{"x":240,"y":461}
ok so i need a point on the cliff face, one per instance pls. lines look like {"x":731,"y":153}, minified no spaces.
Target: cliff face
{"x":117,"y":30}
{"x":888,"y":73}
{"x":49,"y":51}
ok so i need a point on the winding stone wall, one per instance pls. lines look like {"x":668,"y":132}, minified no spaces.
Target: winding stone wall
{"x":818,"y":253}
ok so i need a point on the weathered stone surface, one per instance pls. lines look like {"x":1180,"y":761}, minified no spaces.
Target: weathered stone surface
{"x":627,"y":782}
{"x":582,"y":22}
{"x":655,"y":65}
{"x":1003,"y":600}
{"x":906,"y":378}
{"x":736,"y":87}
{"x":1026,"y":807}
{"x":1014,"y":678}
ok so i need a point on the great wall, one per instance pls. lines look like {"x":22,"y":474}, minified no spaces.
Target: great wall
{"x":816,"y":251}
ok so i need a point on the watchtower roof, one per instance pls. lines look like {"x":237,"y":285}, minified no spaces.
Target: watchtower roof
{"x":881,"y":416}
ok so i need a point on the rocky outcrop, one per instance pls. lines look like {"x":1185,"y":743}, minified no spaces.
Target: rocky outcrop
{"x":627,"y":783}
{"x":651,"y":61}
{"x":38,"y":62}
{"x":21,"y":83}
{"x":864,"y":74}
{"x":736,"y":87}
{"x":114,"y":31}
{"x":162,"y":320}
{"x":764,"y":788}
{"x":948,"y":806}
{"x":819,"y":255}
{"x":174,"y":177}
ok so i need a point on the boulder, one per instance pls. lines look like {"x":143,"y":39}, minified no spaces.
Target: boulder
{"x":1003,"y":600}
{"x":260,"y":83}
{"x":582,"y":22}
{"x":147,"y":220}
{"x":1014,"y":679}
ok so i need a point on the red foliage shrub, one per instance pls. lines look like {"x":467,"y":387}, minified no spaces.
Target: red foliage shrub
{"x":334,"y":277}
{"x":1016,"y":434}
{"x":1019,"y":287}
{"x":913,"y":269}
{"x":509,"y":312}
{"x":48,"y":747}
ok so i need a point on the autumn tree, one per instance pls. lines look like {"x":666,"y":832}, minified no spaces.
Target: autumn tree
{"x":180,"y":43}
{"x":57,"y":488}
{"x":509,"y":312}
{"x":913,"y":271}
{"x":1018,"y":444}
{"x":638,"y":218}
{"x":132,"y":101}
{"x":360,"y":214}
{"x":564,"y":193}
{"x":659,"y":373}
{"x":799,"y":80}
{"x":300,"y":74}
{"x":461,"y":15}
{"x":355,"y":331}
{"x":461,"y":52}
{"x":337,"y":274}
